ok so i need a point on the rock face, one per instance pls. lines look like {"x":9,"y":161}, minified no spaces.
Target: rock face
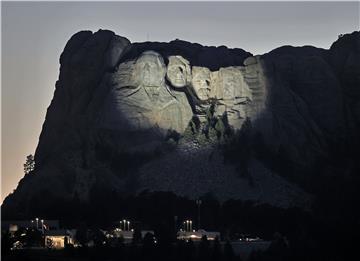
{"x":205,"y":173}
{"x":141,"y":99}
{"x":190,"y":119}
{"x":178,"y":71}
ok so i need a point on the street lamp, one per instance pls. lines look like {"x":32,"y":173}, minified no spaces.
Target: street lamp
{"x":198,"y":203}
{"x":37,"y":223}
{"x":187,"y":225}
{"x":128,"y":225}
{"x":42,"y":226}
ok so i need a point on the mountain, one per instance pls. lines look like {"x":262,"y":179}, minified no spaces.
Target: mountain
{"x":195,"y":120}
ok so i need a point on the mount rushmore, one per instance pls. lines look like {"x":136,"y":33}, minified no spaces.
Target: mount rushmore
{"x":149,"y":93}
{"x":192,"y":119}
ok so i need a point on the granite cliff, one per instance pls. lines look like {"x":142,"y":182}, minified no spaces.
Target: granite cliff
{"x":191,"y":119}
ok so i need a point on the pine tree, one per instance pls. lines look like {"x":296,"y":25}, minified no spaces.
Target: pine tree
{"x":29,"y":164}
{"x":216,"y":251}
{"x":228,"y":252}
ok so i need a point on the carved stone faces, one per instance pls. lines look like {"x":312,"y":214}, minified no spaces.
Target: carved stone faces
{"x":140,"y":99}
{"x":178,"y":71}
{"x":141,"y":93}
{"x":150,"y":69}
{"x":201,"y":82}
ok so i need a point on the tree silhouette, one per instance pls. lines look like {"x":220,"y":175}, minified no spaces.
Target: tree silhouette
{"x":29,"y":164}
{"x":190,"y":250}
{"x":6,"y":243}
{"x":98,"y":237}
{"x":148,"y":249}
{"x":204,"y":249}
{"x":33,"y":238}
{"x":216,"y":252}
{"x":81,"y":235}
{"x":137,"y":236}
{"x":228,"y":252}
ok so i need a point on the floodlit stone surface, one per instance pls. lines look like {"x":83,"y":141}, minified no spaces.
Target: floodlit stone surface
{"x":178,"y":71}
{"x":228,"y":90}
{"x":201,"y":82}
{"x":139,"y":98}
{"x":233,"y":95}
{"x":255,"y":80}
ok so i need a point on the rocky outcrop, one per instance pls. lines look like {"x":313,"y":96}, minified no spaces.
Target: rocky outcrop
{"x":194,"y":171}
{"x":344,"y":58}
{"x":305,"y":107}
{"x":133,"y":116}
{"x":142,"y":100}
{"x":79,"y":92}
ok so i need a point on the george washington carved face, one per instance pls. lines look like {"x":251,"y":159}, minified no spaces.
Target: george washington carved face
{"x":150,"y":69}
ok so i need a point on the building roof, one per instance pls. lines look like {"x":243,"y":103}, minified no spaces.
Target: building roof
{"x":58,"y":232}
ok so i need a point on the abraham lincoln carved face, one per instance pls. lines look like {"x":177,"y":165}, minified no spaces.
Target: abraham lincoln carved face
{"x":201,"y":82}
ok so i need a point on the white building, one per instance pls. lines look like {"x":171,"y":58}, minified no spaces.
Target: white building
{"x":197,"y":235}
{"x":128,"y":235}
{"x":58,"y":238}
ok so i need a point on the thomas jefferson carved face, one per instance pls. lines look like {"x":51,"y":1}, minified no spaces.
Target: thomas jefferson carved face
{"x":178,"y":71}
{"x":150,"y":69}
{"x":201,"y":82}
